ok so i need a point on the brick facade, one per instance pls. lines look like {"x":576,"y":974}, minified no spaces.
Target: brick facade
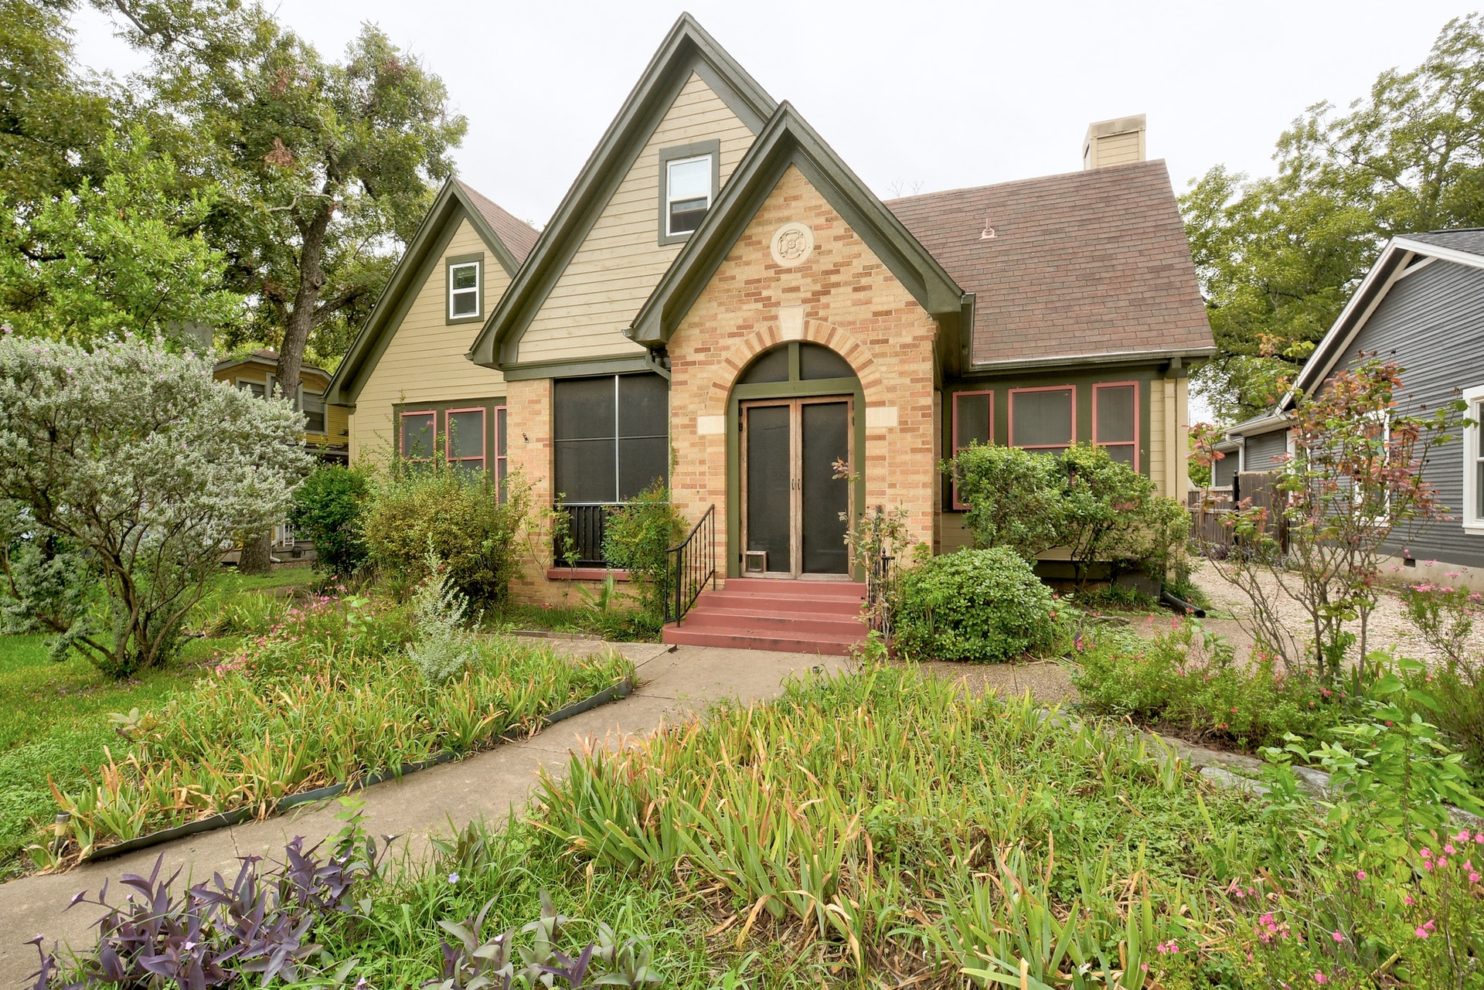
{"x":850,"y":302}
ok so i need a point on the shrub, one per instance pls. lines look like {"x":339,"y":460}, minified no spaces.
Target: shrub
{"x":1014,"y":497}
{"x":1113,"y":514}
{"x":443,"y":647}
{"x":327,"y":508}
{"x":1186,"y":681}
{"x":635,"y":538}
{"x":980,"y":605}
{"x":453,"y":514}
{"x":127,"y":469}
{"x":1444,"y":616}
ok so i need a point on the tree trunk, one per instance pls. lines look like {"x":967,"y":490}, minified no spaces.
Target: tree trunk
{"x":257,"y":554}
{"x":306,"y":299}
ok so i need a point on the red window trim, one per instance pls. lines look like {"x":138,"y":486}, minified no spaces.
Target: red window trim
{"x":501,"y":457}
{"x":402,"y":434}
{"x":957,"y":503}
{"x":1069,"y":389}
{"x":1134,"y":443}
{"x":484,"y":426}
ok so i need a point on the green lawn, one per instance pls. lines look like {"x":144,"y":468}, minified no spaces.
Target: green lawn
{"x":54,"y":716}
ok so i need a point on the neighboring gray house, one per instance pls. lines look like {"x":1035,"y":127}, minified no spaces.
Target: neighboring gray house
{"x":1422,"y":306}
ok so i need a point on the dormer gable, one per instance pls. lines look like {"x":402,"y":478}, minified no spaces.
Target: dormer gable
{"x":693,"y":114}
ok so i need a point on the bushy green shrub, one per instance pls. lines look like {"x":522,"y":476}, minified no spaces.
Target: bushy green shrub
{"x":1185,"y":681}
{"x":980,"y":605}
{"x":1113,"y":514}
{"x":635,"y":539}
{"x":327,"y":508}
{"x":1101,"y":510}
{"x":453,"y":514}
{"x":1014,"y":497}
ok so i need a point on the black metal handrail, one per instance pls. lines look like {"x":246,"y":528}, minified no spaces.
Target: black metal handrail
{"x":689,"y":564}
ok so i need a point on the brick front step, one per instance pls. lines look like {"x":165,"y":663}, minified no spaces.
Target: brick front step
{"x":790,"y":616}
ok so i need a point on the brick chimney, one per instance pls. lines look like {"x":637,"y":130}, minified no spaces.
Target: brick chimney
{"x":1114,"y":142}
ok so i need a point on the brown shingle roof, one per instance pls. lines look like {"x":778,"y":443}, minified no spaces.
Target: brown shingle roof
{"x":1084,"y":264}
{"x":518,"y":236}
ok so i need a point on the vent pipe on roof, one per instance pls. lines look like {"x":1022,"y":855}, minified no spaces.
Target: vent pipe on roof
{"x":1114,"y":142}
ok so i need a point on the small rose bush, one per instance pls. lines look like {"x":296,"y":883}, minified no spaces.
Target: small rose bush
{"x":978,"y":605}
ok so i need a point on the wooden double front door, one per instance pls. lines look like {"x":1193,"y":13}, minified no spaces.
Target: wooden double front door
{"x":794,"y":508}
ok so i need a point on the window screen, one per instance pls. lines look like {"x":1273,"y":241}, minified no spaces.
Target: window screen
{"x":769,"y":367}
{"x":464,"y":436}
{"x":418,"y":435}
{"x":973,"y":422}
{"x":1115,"y":421}
{"x":817,"y":362}
{"x":314,"y":414}
{"x":1043,"y":418}
{"x":611,"y":436}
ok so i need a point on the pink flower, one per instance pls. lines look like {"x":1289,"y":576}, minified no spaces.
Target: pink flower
{"x":1420,"y":932}
{"x":1319,"y":976}
{"x":1360,"y":874}
{"x":1169,"y":948}
{"x":1337,"y":935}
{"x":1408,"y":900}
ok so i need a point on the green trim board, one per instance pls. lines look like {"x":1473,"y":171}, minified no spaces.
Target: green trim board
{"x":794,"y":388}
{"x":676,"y":153}
{"x":449,"y":264}
{"x":427,"y":245}
{"x":584,"y":369}
{"x":786,"y":141}
{"x":687,"y":49}
{"x":1081,"y":379}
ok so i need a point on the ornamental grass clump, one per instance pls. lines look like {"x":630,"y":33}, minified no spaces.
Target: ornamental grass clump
{"x":978,"y":605}
{"x":330,"y":699}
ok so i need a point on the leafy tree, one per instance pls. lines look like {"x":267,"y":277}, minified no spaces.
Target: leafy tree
{"x":323,"y":166}
{"x":1355,"y":476}
{"x":122,"y":254}
{"x":1278,"y":257}
{"x":124,"y":473}
{"x":50,"y":119}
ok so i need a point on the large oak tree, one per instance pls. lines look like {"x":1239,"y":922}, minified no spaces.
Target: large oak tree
{"x":1279,"y":256}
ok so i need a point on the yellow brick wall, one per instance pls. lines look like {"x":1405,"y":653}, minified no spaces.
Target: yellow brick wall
{"x":851,"y":303}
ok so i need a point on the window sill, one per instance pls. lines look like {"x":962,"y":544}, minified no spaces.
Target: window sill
{"x":584,"y":574}
{"x":1474,"y":529}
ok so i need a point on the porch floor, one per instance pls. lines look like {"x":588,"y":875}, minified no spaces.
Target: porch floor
{"x":821,"y":617}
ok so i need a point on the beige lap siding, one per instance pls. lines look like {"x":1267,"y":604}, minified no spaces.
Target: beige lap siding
{"x":851,"y":303}
{"x":424,"y":361}
{"x":621,"y":261}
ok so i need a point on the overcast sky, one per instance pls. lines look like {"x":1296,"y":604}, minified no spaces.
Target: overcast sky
{"x":916,"y":96}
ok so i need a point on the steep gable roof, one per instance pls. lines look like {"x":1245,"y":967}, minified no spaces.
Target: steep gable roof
{"x":1081,"y":265}
{"x":1402,"y":255}
{"x":786,"y":141}
{"x":508,"y":239}
{"x":687,"y":49}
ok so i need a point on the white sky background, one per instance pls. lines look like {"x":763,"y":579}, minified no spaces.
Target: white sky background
{"x":916,"y":96}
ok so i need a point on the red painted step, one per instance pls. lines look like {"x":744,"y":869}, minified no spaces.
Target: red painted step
{"x":759,"y":614}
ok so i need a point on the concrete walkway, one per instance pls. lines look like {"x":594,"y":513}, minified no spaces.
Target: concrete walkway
{"x":673,"y":686}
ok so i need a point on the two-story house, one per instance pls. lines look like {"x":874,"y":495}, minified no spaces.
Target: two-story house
{"x":719,"y":302}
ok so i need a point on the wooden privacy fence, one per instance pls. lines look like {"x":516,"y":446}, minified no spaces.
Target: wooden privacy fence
{"x":1210,"y":528}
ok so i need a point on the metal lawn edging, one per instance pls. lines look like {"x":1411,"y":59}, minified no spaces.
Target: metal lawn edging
{"x":226,"y":819}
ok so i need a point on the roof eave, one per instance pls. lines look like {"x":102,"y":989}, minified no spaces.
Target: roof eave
{"x":1109,"y":357}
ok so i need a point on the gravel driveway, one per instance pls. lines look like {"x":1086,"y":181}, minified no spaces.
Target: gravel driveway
{"x":1389,"y":626}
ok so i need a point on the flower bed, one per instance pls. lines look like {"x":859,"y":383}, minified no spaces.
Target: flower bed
{"x":327,"y":697}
